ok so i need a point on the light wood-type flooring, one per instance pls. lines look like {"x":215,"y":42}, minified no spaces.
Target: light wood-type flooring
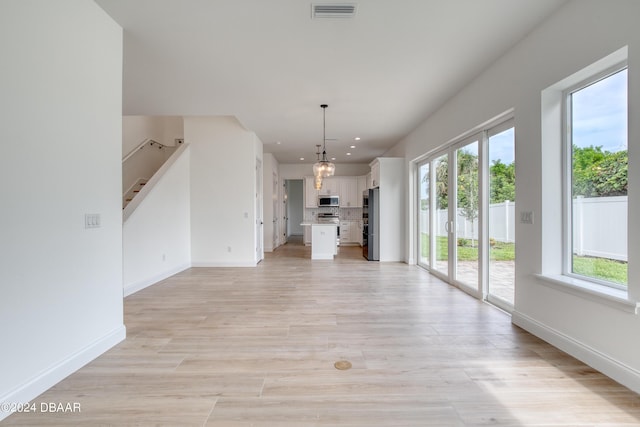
{"x":257,"y":347}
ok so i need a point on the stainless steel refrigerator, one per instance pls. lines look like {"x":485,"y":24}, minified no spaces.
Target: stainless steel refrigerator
{"x":371,"y":224}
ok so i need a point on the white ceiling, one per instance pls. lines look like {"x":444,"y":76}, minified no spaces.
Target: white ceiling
{"x":270,"y":65}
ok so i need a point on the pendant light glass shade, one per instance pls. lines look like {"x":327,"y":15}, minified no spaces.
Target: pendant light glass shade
{"x":318,"y":182}
{"x":323,"y":168}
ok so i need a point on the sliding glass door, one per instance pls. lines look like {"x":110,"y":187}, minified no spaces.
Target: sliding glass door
{"x":501,"y":215}
{"x":441,"y":222}
{"x":465,"y":234}
{"x":424,"y":212}
{"x":466,"y":214}
{"x":433,"y":221}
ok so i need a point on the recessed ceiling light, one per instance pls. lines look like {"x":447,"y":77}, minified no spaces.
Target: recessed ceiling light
{"x":353,"y":146}
{"x":333,"y":158}
{"x":357,"y":138}
{"x":278,"y":142}
{"x":301,"y":158}
{"x":348,"y":154}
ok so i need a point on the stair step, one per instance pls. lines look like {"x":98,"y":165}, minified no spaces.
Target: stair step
{"x":128,"y":200}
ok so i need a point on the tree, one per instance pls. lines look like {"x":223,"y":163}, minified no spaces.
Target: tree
{"x":597,"y":173}
{"x":611,"y":175}
{"x":442,"y":183}
{"x":468,"y":186}
{"x":425,"y":199}
{"x":503,"y":182}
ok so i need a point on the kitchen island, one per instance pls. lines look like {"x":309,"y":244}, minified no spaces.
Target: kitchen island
{"x":324,"y":239}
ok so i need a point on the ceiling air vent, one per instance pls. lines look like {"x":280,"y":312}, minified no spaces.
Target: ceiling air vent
{"x":333,"y":10}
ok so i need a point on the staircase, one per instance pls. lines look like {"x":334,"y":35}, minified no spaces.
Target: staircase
{"x":141,"y":164}
{"x":133,"y":192}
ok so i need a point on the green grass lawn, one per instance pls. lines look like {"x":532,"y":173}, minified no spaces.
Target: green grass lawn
{"x":599,"y":268}
{"x":499,"y":252}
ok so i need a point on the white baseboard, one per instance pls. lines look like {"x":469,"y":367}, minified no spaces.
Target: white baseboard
{"x":612,"y":368}
{"x":37,"y":385}
{"x":222,"y":264}
{"x":132,"y":288}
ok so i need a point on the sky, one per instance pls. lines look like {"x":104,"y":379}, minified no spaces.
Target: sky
{"x":600,"y":114}
{"x":502,"y":147}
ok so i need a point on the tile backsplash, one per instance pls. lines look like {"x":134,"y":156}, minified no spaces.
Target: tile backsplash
{"x":344,"y":213}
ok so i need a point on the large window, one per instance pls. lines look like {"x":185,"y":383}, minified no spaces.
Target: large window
{"x":596,"y":179}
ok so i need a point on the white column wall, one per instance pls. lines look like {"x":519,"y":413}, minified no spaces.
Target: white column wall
{"x":223,"y":191}
{"x":61,"y":115}
{"x":579,"y":34}
{"x":156,"y":237}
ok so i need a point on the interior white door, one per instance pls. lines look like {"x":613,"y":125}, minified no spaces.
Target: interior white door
{"x":259,"y":217}
{"x":284,"y":229}
{"x":276,"y":214}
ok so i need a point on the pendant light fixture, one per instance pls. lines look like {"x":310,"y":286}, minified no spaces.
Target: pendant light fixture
{"x":317,"y":178}
{"x":324,"y":168}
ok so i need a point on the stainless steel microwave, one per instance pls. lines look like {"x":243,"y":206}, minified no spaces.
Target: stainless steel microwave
{"x":328,"y":201}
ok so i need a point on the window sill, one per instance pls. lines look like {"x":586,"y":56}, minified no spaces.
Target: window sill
{"x":615,"y":298}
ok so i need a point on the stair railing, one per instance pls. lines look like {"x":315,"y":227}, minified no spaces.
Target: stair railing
{"x":140,"y":146}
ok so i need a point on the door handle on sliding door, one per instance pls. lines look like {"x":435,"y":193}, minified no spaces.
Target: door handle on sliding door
{"x":448,"y":226}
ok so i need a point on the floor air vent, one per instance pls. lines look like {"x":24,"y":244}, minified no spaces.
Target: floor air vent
{"x":333,"y":10}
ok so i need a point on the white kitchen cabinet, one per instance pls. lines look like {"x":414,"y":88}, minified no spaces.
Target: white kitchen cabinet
{"x":345,"y":232}
{"x":330,"y":187}
{"x":357,"y":233}
{"x":351,"y":232}
{"x":362,"y":186}
{"x":375,"y":173}
{"x":310,"y":193}
{"x":323,"y":241}
{"x":349,"y":188}
{"x":349,"y":192}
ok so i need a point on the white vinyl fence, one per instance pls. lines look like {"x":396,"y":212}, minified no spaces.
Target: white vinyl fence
{"x":600,"y":227}
{"x":591,"y":237}
{"x":501,"y":226}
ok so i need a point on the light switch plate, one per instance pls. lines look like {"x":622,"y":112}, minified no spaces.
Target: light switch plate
{"x":91,"y":220}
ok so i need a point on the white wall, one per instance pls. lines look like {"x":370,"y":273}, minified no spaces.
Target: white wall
{"x":157,"y":236}
{"x":164,"y":129}
{"x":223,"y":191}
{"x":392,"y":211}
{"x":299,"y":171}
{"x":579,"y":34}
{"x":61,"y":115}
